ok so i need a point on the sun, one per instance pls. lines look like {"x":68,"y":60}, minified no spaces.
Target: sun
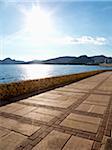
{"x":38,"y":21}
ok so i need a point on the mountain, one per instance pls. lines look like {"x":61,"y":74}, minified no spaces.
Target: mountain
{"x":79,"y":60}
{"x":64,"y":60}
{"x":34,"y":62}
{"x":101,"y":59}
{"x":11,"y":61}
{"x":59,"y":60}
{"x":83,"y":60}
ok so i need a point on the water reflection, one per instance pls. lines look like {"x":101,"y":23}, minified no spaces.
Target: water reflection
{"x":37,"y":71}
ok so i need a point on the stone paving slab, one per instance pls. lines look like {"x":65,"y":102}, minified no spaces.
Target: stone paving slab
{"x":82,"y":118}
{"x":87,"y":86}
{"x":89,"y":107}
{"x":81,"y":122}
{"x":10,"y":108}
{"x":77,"y":116}
{"x":48,"y":95}
{"x":84,"y":126}
{"x":54,"y":141}
{"x":24,"y":110}
{"x":10,"y":141}
{"x":26,"y":129}
{"x":77,"y":143}
{"x":106,"y":87}
{"x":48,"y":111}
{"x":39,"y":116}
{"x":99,"y":98}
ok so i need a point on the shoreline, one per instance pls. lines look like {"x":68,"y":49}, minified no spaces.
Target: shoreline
{"x":17,"y":90}
{"x":106,"y":65}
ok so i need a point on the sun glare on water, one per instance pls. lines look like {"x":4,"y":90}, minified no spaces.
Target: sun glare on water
{"x":38,"y":21}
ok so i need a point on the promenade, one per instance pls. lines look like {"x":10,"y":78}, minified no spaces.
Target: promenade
{"x":77,"y":116}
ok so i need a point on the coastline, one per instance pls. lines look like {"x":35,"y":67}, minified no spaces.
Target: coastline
{"x":105,"y":65}
{"x":16,"y":90}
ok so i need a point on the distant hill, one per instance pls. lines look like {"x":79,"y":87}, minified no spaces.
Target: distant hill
{"x":83,"y":60}
{"x":11,"y":61}
{"x":34,"y":62}
{"x":60,"y":60}
{"x":79,"y":60}
{"x":64,"y":60}
{"x":101,"y":59}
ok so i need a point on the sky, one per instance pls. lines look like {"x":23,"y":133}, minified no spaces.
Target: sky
{"x":33,"y":29}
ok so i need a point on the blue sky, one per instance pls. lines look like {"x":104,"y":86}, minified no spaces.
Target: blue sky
{"x":42,"y":30}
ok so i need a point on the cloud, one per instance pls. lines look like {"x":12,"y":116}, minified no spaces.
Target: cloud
{"x":81,"y":40}
{"x":89,"y":40}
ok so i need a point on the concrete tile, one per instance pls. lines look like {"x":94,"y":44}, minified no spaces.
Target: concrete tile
{"x":11,"y":124}
{"x":26,"y":129}
{"x":81,"y":122}
{"x":91,"y":108}
{"x":90,"y":81}
{"x":69,"y":102}
{"x":85,"y":86}
{"x":24,"y":110}
{"x":98,"y":109}
{"x":97,"y":103}
{"x":49,"y":100}
{"x":11,"y":107}
{"x":54,"y":141}
{"x":47,"y":95}
{"x":39,"y":116}
{"x":84,"y":107}
{"x":10,"y":141}
{"x":84,"y":118}
{"x":70,"y":91}
{"x":98,"y":98}
{"x":105,"y":87}
{"x":62,"y":93}
{"x":80,"y":125}
{"x":41,"y":102}
{"x":77,"y":143}
{"x":48,"y":111}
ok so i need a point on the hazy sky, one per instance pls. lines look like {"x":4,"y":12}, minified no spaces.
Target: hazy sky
{"x":31,"y":29}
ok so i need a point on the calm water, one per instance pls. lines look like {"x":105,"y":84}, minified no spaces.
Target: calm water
{"x":10,"y":73}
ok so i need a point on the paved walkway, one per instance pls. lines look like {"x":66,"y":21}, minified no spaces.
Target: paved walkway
{"x":74,"y":117}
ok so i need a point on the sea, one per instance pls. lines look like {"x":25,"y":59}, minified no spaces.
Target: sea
{"x":12,"y":72}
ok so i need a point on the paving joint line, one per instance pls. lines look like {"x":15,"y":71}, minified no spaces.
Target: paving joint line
{"x":102,"y":128}
{"x":66,"y":142}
